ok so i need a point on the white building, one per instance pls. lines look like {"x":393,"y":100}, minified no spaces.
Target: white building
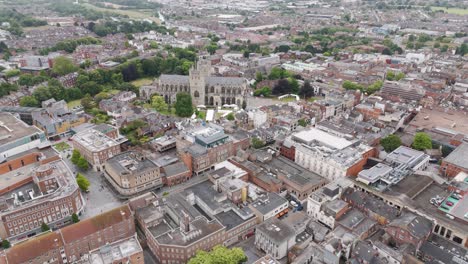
{"x":329,"y":156}
{"x":275,"y":238}
{"x":325,"y":206}
{"x":258,"y":117}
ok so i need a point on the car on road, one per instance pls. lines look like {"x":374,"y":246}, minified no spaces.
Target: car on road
{"x":449,"y":203}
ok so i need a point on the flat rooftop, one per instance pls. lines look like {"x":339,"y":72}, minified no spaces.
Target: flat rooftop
{"x":268,"y":202}
{"x":276,"y":230}
{"x":131,"y":162}
{"x":115,"y":251}
{"x":405,"y":155}
{"x":317,"y":136}
{"x":94,"y":140}
{"x":294,"y":172}
{"x":12,"y":128}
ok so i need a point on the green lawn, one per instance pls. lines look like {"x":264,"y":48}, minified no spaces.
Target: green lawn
{"x":142,"y":82}
{"x":74,"y":103}
{"x":456,"y":11}
{"x":287,"y":99}
{"x":133,"y":13}
{"x":62,"y":146}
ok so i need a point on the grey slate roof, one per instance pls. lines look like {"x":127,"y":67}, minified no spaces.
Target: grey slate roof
{"x":459,"y":157}
{"x":174,"y":79}
{"x":417,"y":225}
{"x":233,"y":81}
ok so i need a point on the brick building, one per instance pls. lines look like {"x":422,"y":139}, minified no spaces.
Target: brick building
{"x":97,"y":145}
{"x":455,"y":162}
{"x":37,"y":187}
{"x":180,"y":224}
{"x":70,"y":244}
{"x":409,"y":228}
{"x":131,"y":172}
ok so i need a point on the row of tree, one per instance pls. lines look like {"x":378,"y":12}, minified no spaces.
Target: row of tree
{"x":370,"y":89}
{"x":421,"y":141}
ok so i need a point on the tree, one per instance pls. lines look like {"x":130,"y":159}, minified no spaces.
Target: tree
{"x":294,"y":84}
{"x":183,"y":105}
{"x":6,"y":244}
{"x":422,"y":141}
{"x":44,"y":227}
{"x":219,"y":255}
{"x":302,"y":122}
{"x":82,"y":182}
{"x":230,"y":117}
{"x":257,"y":143}
{"x":258,"y":77}
{"x":306,"y":90}
{"x":82,"y":164}
{"x":158,"y":103}
{"x":29,"y":101}
{"x":63,"y":65}
{"x":282,"y":87}
{"x":390,"y":143}
{"x":75,"y":218}
{"x":374,"y":87}
{"x":348,"y":85}
{"x":76,"y":155}
{"x":264,"y":91}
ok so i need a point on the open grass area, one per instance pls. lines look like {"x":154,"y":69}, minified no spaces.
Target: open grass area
{"x":74,"y":103}
{"x":133,"y":13}
{"x":450,"y":10}
{"x":62,"y":146}
{"x":288,"y":99}
{"x":142,"y":82}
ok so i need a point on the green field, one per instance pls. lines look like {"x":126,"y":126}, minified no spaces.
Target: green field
{"x":62,"y":146}
{"x":456,"y":11}
{"x":142,"y":82}
{"x":74,"y":103}
{"x":134,"y":13}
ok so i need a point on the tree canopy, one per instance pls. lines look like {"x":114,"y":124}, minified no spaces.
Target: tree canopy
{"x":183,"y":105}
{"x":82,"y":182}
{"x":390,"y":143}
{"x":422,"y":141}
{"x":158,"y":103}
{"x":63,"y":65}
{"x":219,"y":255}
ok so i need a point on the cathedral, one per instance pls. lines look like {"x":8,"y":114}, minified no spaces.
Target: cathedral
{"x":205,"y":89}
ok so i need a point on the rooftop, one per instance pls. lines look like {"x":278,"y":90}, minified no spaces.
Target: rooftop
{"x":114,"y":252}
{"x":276,"y":230}
{"x":12,"y":129}
{"x":458,"y":157}
{"x":94,"y":140}
{"x":320,"y":137}
{"x":268,"y":202}
{"x":405,"y":155}
{"x":130,"y":162}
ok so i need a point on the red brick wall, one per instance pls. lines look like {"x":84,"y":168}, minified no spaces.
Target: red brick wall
{"x":450,"y":169}
{"x":16,"y":163}
{"x":356,"y":168}
{"x":289,"y":153}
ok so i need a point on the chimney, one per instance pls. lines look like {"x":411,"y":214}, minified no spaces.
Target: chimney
{"x":185,"y":222}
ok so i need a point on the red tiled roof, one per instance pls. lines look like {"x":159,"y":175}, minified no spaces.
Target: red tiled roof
{"x":92,"y":225}
{"x":34,"y":247}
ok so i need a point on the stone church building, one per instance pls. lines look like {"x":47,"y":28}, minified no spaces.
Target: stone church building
{"x":205,"y":89}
